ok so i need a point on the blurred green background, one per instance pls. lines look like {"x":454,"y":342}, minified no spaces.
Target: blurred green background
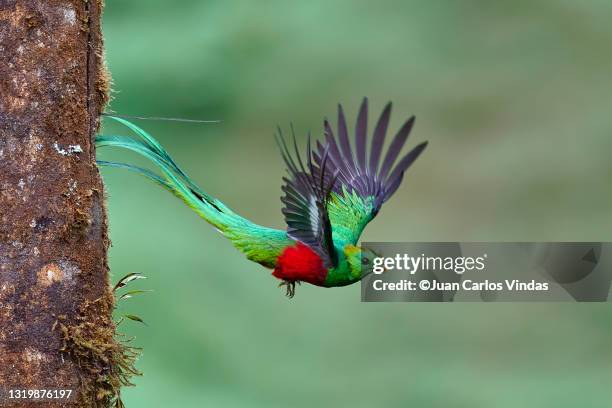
{"x":515,"y":100}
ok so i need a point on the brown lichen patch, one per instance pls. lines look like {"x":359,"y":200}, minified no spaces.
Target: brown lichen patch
{"x":34,"y":356}
{"x":32,"y":20}
{"x":63,"y":272}
{"x":33,"y":147}
{"x":79,"y":222}
{"x":7,"y":291}
{"x":50,"y":274}
{"x":6,"y":313}
{"x":16,"y":15}
{"x":68,"y":14}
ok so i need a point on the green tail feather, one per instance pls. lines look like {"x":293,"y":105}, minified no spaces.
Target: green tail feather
{"x":174,"y":180}
{"x":157,"y":148}
{"x":144,"y":172}
{"x":259,"y":243}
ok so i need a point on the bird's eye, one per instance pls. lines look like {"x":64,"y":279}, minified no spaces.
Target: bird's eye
{"x":365,"y":261}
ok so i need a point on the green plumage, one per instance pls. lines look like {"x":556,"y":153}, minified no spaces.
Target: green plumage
{"x":349,"y":214}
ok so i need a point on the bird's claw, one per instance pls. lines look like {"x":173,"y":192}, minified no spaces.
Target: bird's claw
{"x":290,"y":287}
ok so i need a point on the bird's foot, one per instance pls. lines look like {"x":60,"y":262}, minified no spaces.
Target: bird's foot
{"x":290,"y":284}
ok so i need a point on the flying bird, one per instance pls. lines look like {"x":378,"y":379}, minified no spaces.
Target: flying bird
{"x":330,"y":193}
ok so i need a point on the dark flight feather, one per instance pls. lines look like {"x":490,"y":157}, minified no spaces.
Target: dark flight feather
{"x":395,"y":148}
{"x":361,"y":130}
{"x":364,"y":176}
{"x":345,"y":144}
{"x":305,"y":200}
{"x":379,"y":138}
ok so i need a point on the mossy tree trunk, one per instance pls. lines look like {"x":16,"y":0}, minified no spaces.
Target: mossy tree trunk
{"x":56,"y":328}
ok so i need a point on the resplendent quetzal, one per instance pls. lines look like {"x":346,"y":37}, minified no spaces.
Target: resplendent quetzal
{"x":329,"y":197}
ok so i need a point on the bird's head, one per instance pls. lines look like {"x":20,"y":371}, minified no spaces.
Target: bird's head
{"x":360,"y":261}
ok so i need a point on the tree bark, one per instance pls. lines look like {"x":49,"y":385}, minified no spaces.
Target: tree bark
{"x":56,"y":328}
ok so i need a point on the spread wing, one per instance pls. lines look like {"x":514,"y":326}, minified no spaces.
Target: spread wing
{"x":363,"y":183}
{"x":307,"y":191}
